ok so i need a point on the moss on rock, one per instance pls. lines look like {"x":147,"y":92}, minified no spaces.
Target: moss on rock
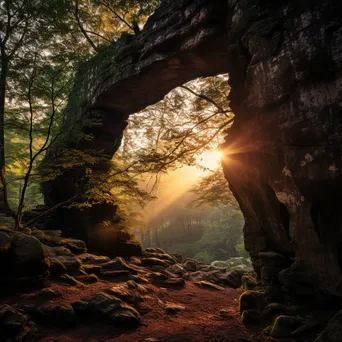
{"x":252,"y":300}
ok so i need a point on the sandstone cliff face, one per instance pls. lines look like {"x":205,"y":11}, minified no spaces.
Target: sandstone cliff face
{"x":286,"y":140}
{"x":284,"y":150}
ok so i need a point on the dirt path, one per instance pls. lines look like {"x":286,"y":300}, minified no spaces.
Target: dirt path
{"x":200,"y":321}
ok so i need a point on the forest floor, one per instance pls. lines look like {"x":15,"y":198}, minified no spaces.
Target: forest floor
{"x":158,"y":297}
{"x":208,"y":316}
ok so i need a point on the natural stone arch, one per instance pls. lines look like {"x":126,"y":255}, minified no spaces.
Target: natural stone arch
{"x":283,"y":168}
{"x":182,"y":41}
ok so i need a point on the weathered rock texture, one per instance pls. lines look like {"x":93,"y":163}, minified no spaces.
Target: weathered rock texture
{"x":283,"y":159}
{"x":284,"y":164}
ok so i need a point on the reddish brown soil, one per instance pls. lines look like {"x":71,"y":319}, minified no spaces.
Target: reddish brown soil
{"x":199,"y":322}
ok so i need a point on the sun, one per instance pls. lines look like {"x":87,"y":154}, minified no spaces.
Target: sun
{"x":210,"y":159}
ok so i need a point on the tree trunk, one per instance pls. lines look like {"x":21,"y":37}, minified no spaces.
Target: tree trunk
{"x":19,"y":215}
{"x":4,"y":207}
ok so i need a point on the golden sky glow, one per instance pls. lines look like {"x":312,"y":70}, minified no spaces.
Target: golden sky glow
{"x":176,"y":183}
{"x":210,"y":159}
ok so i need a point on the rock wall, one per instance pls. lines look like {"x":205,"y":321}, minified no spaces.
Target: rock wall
{"x":283,"y":154}
{"x":284,"y":150}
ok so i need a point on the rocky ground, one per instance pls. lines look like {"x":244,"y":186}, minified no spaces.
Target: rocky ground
{"x":55,"y":291}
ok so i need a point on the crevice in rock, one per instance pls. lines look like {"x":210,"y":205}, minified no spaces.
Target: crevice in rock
{"x":281,"y":210}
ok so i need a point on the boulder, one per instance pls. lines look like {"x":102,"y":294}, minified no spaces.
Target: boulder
{"x":208,"y":285}
{"x":26,"y":262}
{"x":207,"y":268}
{"x":47,"y":294}
{"x":71,"y":262}
{"x":14,"y":326}
{"x":106,"y":306}
{"x":56,"y":315}
{"x":53,"y":252}
{"x":131,"y":284}
{"x":5,"y":243}
{"x":161,"y":256}
{"x":56,"y":268}
{"x":177,"y":257}
{"x":242,"y":268}
{"x":152,"y":261}
{"x":50,"y":232}
{"x":154,"y":250}
{"x":249,"y":283}
{"x":173,"y":308}
{"x":231,"y":263}
{"x":285,"y":325}
{"x":102,"y":304}
{"x":251,"y":316}
{"x":191,"y":265}
{"x":252,"y":300}
{"x":89,"y":268}
{"x":69,"y":280}
{"x":139,"y":279}
{"x":333,"y":330}
{"x":177,"y":269}
{"x":157,"y":277}
{"x":135,"y":261}
{"x":88,"y":278}
{"x":233,"y":279}
{"x":62,"y":255}
{"x":88,"y":258}
{"x":125,"y":293}
{"x":215,"y":277}
{"x":76,"y":246}
{"x":53,"y":239}
{"x":118,"y":264}
{"x":161,"y":269}
{"x":80,"y":307}
{"x":125,"y":317}
{"x":113,"y":241}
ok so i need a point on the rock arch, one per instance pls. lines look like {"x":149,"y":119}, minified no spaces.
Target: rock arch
{"x":284,"y":150}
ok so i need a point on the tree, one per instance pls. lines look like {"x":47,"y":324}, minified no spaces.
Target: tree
{"x":207,"y":232}
{"x":42,"y":47}
{"x":174,"y":132}
{"x":113,"y":17}
{"x":189,"y":121}
{"x":46,"y":90}
{"x":23,"y":25}
{"x":213,"y":190}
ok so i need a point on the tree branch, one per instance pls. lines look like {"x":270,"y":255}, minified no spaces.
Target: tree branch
{"x":117,"y":15}
{"x":204,"y":97}
{"x":76,"y":14}
{"x":99,"y":35}
{"x":61,"y":204}
{"x":191,"y":130}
